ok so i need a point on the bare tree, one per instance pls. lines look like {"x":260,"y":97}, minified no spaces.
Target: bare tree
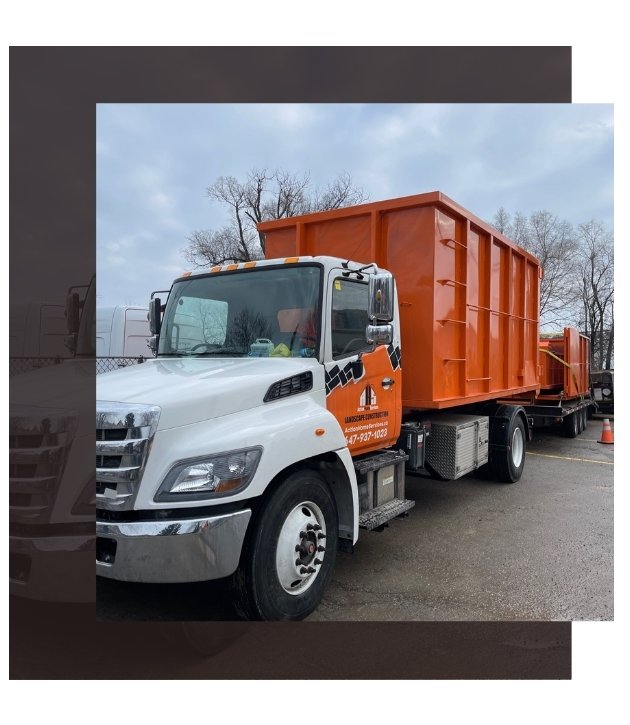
{"x":502,"y":221}
{"x":264,"y":195}
{"x":519,"y":230}
{"x":246,"y":327}
{"x":552,"y":242}
{"x":595,"y":288}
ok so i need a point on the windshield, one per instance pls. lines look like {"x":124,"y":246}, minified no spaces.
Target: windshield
{"x":262,"y":312}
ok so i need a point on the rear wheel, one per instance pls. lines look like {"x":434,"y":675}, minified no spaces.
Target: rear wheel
{"x":580,"y":420}
{"x":571,"y":425}
{"x":507,"y":465}
{"x":289,"y":555}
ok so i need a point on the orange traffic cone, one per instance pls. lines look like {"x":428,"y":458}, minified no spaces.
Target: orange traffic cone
{"x":607,"y":434}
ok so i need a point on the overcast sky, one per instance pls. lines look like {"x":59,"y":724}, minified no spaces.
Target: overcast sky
{"x":155,"y":161}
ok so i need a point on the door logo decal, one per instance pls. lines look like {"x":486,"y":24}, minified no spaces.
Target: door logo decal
{"x":367,"y":401}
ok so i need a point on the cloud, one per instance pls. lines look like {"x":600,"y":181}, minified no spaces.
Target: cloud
{"x":155,"y":162}
{"x":283,"y":116}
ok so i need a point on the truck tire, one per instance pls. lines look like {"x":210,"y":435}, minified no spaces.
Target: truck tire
{"x":582,"y":419}
{"x":571,"y":425}
{"x":507,"y":465}
{"x":289,"y":554}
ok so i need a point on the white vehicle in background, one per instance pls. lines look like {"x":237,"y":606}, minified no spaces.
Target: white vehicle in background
{"x":122,"y":331}
{"x":37,"y":335}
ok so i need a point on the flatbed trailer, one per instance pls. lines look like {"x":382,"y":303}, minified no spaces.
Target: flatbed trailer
{"x":565,"y":397}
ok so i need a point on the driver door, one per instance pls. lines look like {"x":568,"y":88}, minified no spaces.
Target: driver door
{"x":363,"y":382}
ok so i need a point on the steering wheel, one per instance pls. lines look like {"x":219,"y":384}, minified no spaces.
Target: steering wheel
{"x":351,"y":343}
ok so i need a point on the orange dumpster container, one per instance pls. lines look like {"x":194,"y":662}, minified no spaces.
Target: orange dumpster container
{"x":468,"y":296}
{"x":565,"y":365}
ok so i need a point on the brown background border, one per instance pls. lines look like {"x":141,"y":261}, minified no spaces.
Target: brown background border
{"x":53,"y":97}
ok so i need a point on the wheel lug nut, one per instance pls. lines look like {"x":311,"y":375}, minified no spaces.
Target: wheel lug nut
{"x":317,"y":562}
{"x":297,"y":562}
{"x":303,"y":534}
{"x":321,"y":536}
{"x":303,"y":570}
{"x":321,"y":548}
{"x":317,"y":527}
{"x":309,"y":527}
{"x":298,"y":548}
{"x":310,"y":570}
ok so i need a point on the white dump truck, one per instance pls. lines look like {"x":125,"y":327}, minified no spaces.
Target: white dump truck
{"x":278,"y":419}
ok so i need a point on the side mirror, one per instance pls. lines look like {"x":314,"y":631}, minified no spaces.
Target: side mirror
{"x":155,"y":315}
{"x":72,"y":313}
{"x":381,"y":297}
{"x":379,"y":334}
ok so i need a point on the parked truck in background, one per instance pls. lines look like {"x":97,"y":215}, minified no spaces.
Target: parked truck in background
{"x":290,"y":397}
{"x":603,"y":390}
{"x":122,"y":331}
{"x":37,"y":336}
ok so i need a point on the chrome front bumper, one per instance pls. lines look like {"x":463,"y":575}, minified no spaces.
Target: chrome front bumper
{"x":171,"y":551}
{"x":52,"y":568}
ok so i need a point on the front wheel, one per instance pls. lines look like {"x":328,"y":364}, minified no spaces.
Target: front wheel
{"x":289,"y":554}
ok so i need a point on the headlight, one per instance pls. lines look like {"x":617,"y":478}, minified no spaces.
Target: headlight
{"x":212,"y":476}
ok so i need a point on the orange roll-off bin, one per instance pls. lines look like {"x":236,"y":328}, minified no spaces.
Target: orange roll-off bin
{"x":468,"y":295}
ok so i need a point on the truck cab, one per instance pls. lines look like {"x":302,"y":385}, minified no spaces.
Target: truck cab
{"x":232,"y":451}
{"x":51,"y":468}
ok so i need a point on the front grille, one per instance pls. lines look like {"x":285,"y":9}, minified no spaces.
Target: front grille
{"x":123,"y":437}
{"x":22,"y":471}
{"x":25,"y":441}
{"x":108,"y":461}
{"x":111,"y":434}
{"x":38,"y":447}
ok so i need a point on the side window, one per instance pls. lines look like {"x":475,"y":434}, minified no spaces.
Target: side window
{"x":349,"y":317}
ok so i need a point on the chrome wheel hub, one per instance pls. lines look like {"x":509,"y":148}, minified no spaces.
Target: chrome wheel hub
{"x":301,"y":547}
{"x":518,"y":447}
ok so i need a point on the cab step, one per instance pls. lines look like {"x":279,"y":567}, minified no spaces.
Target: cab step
{"x":380,"y":515}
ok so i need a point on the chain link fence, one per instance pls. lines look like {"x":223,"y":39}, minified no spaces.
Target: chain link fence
{"x":105,"y":364}
{"x":20,"y":365}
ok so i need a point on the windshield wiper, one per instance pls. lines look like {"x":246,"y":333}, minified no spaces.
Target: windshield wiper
{"x":208,"y":353}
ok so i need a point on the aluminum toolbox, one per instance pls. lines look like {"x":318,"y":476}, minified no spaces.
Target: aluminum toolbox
{"x":458,"y":444}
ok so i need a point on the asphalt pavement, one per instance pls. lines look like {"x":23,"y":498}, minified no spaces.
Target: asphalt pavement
{"x":470,"y":550}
